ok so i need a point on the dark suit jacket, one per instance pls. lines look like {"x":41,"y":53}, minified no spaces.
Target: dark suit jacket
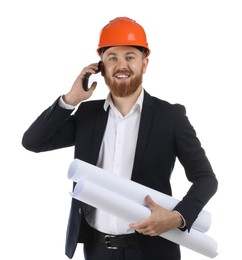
{"x":165,"y":134}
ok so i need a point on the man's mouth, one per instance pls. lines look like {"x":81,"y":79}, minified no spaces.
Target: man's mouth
{"x":122,"y":76}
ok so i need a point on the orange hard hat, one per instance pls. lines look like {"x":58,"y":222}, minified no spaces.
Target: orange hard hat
{"x":122,"y":31}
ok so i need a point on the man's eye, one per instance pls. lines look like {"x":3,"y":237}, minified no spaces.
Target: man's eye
{"x":129,"y":58}
{"x":112,"y":58}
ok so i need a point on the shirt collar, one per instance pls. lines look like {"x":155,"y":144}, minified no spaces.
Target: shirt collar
{"x":138,"y":104}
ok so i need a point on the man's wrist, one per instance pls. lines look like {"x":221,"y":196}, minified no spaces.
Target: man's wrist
{"x":183,"y":221}
{"x":63,"y":104}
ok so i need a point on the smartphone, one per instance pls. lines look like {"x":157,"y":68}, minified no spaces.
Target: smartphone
{"x":87,"y":76}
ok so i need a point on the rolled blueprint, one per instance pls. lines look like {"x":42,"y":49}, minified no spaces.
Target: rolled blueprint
{"x":131,"y":211}
{"x":130,"y":189}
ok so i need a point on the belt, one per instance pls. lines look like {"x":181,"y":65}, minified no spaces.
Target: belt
{"x":117,"y":241}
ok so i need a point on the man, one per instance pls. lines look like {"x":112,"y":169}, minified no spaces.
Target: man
{"x":131,"y":134}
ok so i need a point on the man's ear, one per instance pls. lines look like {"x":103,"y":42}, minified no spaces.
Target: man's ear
{"x":145,"y":64}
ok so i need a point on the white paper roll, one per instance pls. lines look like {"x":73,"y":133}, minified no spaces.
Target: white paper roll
{"x":130,"y":189}
{"x":131,"y":211}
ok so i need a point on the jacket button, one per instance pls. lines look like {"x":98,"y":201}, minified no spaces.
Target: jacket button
{"x":80,"y":211}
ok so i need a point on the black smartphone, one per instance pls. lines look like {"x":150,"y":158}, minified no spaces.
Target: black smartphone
{"x":87,"y":76}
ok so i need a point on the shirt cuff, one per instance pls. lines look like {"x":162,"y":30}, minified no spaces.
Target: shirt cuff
{"x":64,"y":105}
{"x":184,"y":221}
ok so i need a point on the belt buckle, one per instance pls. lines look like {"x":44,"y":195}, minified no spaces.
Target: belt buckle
{"x":108,"y":242}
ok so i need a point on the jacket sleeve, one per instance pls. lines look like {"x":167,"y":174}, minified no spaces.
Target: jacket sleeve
{"x":53,"y":129}
{"x":197,"y":168}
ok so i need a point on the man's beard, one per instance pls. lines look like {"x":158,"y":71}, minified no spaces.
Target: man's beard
{"x":123,"y":89}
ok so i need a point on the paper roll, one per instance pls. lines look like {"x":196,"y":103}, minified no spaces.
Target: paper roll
{"x":130,"y":189}
{"x":131,"y":211}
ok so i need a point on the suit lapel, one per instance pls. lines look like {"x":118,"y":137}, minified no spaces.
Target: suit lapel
{"x":144,"y":129}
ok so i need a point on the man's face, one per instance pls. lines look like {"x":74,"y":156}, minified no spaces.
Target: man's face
{"x":124,"y":69}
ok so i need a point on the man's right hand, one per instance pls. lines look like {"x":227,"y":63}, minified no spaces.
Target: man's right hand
{"x":77,"y":93}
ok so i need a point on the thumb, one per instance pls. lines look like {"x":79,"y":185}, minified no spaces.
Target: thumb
{"x":150,"y":203}
{"x":91,"y":89}
{"x":93,"y":86}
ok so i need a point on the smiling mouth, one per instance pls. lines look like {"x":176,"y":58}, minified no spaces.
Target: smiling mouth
{"x":122,"y":76}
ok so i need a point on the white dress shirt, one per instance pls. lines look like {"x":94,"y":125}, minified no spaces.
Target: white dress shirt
{"x":117,"y":156}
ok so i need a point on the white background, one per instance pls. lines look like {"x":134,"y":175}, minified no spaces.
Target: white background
{"x":196,"y":60}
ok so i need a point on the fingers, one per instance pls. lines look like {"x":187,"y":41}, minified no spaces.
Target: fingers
{"x":147,"y":226}
{"x":144,"y":228}
{"x":143,"y":224}
{"x":140,"y":227}
{"x":92,"y":68}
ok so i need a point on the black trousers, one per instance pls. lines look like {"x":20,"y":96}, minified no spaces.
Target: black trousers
{"x":145,"y":248}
